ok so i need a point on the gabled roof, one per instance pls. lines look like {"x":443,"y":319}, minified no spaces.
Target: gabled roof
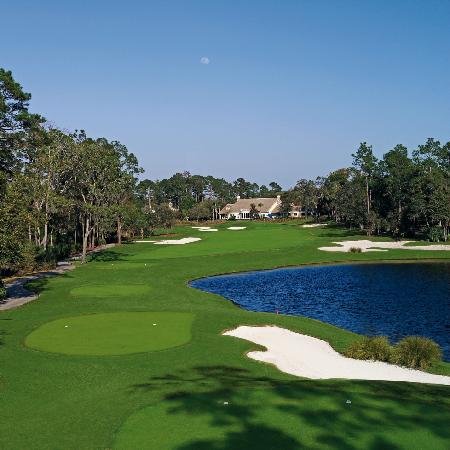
{"x":262,"y":204}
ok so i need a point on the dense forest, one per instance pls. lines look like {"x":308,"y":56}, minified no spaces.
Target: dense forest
{"x":65,"y":192}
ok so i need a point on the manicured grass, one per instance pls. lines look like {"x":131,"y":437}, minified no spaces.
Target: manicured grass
{"x":174,"y":398}
{"x":113,"y":333}
{"x":256,"y":414}
{"x":110,"y":290}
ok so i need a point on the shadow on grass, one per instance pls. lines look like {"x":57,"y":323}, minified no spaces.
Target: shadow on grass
{"x":108,"y":255}
{"x":37,"y":286}
{"x":302,"y":413}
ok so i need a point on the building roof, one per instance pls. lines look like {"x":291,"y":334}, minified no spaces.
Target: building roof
{"x":262,"y":204}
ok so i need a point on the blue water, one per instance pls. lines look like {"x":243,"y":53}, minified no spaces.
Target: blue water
{"x":395,"y":300}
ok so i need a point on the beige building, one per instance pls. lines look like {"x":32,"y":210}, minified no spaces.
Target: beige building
{"x":296,"y":211}
{"x":268,"y":208}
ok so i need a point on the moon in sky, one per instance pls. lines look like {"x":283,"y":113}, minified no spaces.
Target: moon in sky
{"x":204,"y":60}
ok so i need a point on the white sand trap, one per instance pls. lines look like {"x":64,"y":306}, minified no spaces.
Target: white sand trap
{"x":181,"y":241}
{"x":144,"y":242}
{"x":314,"y":225}
{"x":199,"y":228}
{"x":309,"y":357}
{"x":371,"y":246}
{"x":205,"y":229}
{"x":236,"y":228}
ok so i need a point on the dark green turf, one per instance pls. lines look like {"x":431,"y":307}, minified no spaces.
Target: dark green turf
{"x":256,"y":414}
{"x":171,"y":398}
{"x":113,"y":333}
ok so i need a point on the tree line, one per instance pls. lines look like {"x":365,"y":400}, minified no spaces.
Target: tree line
{"x":60,"y":192}
{"x":200,"y":197}
{"x":65,"y":192}
{"x":401,"y":194}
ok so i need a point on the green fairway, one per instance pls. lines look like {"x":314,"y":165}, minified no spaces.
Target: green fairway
{"x":55,"y":394}
{"x":110,"y":290}
{"x":113,"y":333}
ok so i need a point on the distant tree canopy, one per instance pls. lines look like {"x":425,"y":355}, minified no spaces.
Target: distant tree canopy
{"x":201,"y":211}
{"x":162,"y":216}
{"x":401,"y":194}
{"x":66,"y":192}
{"x":184,"y":190}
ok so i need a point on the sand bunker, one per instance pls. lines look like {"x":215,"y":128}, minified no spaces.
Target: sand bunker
{"x":236,"y":228}
{"x":143,"y":242}
{"x":314,"y":225}
{"x":205,"y":229}
{"x":309,"y":357}
{"x":181,"y":241}
{"x":370,"y":246}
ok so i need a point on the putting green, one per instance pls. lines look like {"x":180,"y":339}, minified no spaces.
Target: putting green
{"x":110,"y":290}
{"x":113,"y":333}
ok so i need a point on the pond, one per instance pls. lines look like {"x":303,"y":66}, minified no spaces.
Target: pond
{"x":392,"y":299}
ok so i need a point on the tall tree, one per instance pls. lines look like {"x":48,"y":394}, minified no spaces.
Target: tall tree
{"x":431,"y":187}
{"x":45,"y":175}
{"x":366,"y":163}
{"x":330,"y":187}
{"x":396,"y":174}
{"x":200,"y":211}
{"x":121,"y":191}
{"x":306,"y":194}
{"x":15,"y":122}
{"x":275,"y":188}
{"x":254,"y":211}
{"x":95,"y":182}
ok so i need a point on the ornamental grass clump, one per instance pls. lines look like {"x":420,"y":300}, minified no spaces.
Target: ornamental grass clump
{"x":355,"y":250}
{"x":416,"y":352}
{"x":375,"y":348}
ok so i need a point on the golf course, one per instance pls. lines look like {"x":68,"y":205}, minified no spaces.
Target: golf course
{"x":122,"y":354}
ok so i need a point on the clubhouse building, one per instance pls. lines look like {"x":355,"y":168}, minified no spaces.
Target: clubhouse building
{"x":268,"y":208}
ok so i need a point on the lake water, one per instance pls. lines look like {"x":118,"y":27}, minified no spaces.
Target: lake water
{"x":395,"y":300}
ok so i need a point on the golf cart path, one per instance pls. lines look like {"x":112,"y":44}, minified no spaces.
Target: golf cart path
{"x":18,"y":294}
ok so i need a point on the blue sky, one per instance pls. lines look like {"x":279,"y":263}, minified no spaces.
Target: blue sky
{"x":290,"y":90}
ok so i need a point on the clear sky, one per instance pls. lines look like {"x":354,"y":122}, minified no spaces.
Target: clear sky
{"x":290,"y":90}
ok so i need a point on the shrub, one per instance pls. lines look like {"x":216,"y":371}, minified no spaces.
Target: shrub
{"x":416,"y":352}
{"x":436,"y":234}
{"x":355,"y":250}
{"x":29,"y":254}
{"x":2,"y":291}
{"x":375,"y":348}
